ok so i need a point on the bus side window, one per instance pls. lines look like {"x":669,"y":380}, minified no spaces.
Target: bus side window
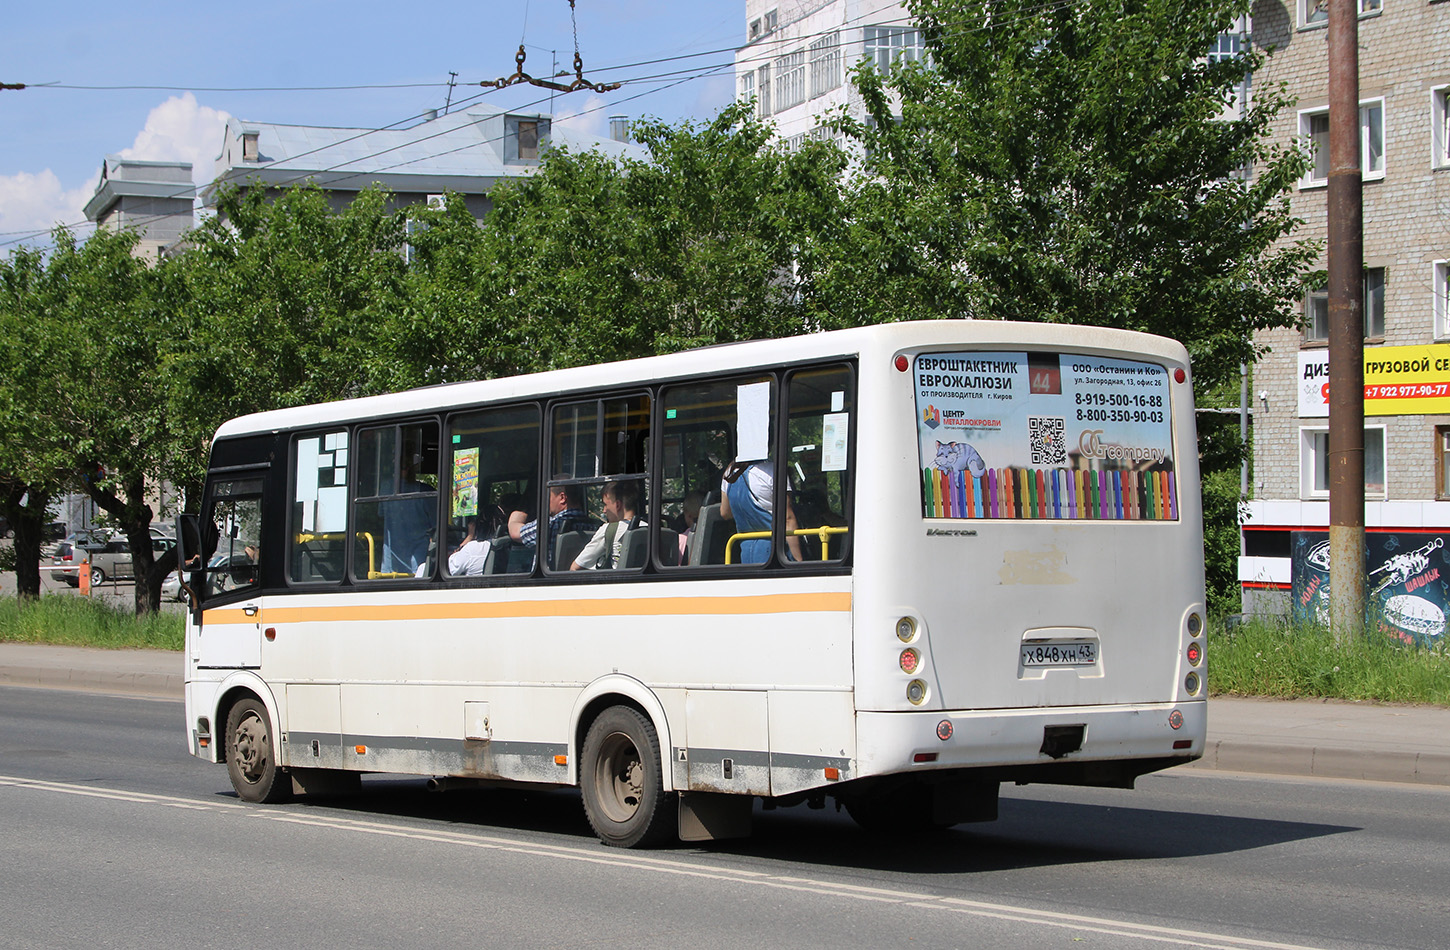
{"x":317,"y":544}
{"x":702,"y":435}
{"x":491,"y":470}
{"x":599,"y":451}
{"x":395,"y":505}
{"x":818,"y":441}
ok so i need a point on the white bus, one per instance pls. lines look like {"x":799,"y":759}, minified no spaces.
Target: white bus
{"x":986,"y":565}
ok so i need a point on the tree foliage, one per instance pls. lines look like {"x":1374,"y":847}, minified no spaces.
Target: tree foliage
{"x":1069,"y":163}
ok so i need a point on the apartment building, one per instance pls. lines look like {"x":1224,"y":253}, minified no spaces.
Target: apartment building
{"x":797,"y":54}
{"x":1404,"y":63}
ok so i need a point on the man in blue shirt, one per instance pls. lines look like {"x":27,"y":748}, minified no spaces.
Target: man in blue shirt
{"x":566,"y":513}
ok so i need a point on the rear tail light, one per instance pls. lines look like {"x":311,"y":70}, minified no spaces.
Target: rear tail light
{"x":1195,"y":653}
{"x":910,"y":660}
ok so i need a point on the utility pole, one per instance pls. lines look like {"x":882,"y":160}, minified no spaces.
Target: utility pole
{"x":1346,"y":329}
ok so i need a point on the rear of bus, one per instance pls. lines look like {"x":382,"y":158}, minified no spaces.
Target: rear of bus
{"x":1029,"y":597}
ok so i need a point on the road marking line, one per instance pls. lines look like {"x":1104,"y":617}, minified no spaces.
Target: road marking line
{"x":853,"y":892}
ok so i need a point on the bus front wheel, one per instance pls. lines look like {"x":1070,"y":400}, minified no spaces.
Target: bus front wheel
{"x":621,"y":781}
{"x":251,"y":755}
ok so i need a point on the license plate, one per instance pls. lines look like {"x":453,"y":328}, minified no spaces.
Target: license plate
{"x":1059,"y":653}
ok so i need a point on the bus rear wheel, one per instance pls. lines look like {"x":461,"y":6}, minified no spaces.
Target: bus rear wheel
{"x":621,"y":782}
{"x":251,"y":755}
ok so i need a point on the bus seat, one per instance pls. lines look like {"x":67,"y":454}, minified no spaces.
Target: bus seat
{"x":636,"y":547}
{"x":567,"y":545}
{"x":711,"y":534}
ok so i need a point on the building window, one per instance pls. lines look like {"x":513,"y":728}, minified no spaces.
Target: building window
{"x":1442,"y":299}
{"x":1316,"y":315}
{"x":1374,"y":303}
{"x":1314,"y":130}
{"x":1230,"y":46}
{"x":1442,"y":462}
{"x":888,"y":46}
{"x":762,"y":88}
{"x":1316,"y":309}
{"x":747,"y":86}
{"x":825,"y":64}
{"x":528,"y":141}
{"x":790,"y":80}
{"x":1314,"y":462}
{"x":1440,"y":127}
{"x":1316,"y":12}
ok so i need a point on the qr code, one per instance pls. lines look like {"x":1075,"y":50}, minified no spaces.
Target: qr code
{"x":1048,"y":437}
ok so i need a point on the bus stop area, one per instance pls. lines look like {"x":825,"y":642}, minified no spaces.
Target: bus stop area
{"x":1306,"y":737}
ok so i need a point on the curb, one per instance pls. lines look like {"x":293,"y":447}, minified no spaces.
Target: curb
{"x":1417,"y":768}
{"x":152,"y":685}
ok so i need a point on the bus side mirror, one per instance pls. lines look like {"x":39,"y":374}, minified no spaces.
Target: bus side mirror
{"x":188,"y":552}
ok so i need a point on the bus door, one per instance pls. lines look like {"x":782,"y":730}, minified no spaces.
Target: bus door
{"x":229,"y":633}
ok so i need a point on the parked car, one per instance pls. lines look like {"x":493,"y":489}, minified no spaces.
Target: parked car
{"x":113,"y":562}
{"x":65,"y":559}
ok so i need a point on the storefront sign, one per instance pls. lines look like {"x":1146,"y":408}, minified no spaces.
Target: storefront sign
{"x":1398,"y":381}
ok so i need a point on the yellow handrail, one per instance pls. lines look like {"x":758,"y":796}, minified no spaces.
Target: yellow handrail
{"x":373,"y":559}
{"x":823,"y":532}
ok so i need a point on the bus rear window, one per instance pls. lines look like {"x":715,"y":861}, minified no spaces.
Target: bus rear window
{"x":1044,"y":436}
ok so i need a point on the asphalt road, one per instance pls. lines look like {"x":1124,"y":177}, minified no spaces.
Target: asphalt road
{"x":113,"y":837}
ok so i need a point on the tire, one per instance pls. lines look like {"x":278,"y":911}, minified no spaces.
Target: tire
{"x":621,"y":782}
{"x":251,"y":755}
{"x":98,"y":577}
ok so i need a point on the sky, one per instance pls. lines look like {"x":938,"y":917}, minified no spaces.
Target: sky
{"x":205,"y":62}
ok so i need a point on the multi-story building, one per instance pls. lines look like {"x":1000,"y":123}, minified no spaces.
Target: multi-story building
{"x":797,"y":54}
{"x":1404,"y":76}
{"x":154,"y":199}
{"x":467,"y":152}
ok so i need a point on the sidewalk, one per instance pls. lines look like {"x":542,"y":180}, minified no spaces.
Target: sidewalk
{"x":1278,"y":737}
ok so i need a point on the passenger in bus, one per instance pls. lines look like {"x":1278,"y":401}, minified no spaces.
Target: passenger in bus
{"x":566,"y":513}
{"x":605,"y":548}
{"x":472,"y":553}
{"x":689,"y":517}
{"x":408,"y":523}
{"x":747,"y":494}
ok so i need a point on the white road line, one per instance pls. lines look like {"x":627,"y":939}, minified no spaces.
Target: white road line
{"x":641,"y":862}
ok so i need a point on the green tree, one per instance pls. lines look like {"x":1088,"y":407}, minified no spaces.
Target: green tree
{"x":1073,"y":163}
{"x":594,"y":259}
{"x":33,"y":408}
{"x":278,"y":302}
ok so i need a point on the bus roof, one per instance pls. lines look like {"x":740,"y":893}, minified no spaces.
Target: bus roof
{"x":728,"y":357}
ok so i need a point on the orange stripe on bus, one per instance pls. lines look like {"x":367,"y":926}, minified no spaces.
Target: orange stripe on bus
{"x":642,"y":606}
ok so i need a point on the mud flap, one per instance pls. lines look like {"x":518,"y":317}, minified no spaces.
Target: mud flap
{"x":706,"y":816}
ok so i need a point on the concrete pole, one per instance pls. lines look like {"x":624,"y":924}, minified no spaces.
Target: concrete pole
{"x":1346,"y":329}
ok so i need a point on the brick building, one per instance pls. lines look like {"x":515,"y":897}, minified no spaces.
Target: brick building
{"x":1404,"y":76}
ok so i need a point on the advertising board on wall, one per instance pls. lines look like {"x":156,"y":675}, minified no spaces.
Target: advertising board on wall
{"x":1407,"y":581}
{"x":1398,"y":381}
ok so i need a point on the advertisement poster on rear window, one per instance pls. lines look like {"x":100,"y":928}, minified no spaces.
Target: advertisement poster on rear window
{"x":1044,"y":435}
{"x":1407,"y":582}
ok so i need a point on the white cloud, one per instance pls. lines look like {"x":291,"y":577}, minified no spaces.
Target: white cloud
{"x":590,"y":119}
{"x":178,"y":130}
{"x":38,"y":203}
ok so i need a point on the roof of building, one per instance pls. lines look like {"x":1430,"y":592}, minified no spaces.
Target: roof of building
{"x":134,"y":178}
{"x":466,"y":152}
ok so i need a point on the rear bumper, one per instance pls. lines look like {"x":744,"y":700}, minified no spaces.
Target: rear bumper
{"x":892,"y":742}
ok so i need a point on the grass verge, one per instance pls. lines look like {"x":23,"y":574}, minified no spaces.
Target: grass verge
{"x":83,"y":622}
{"x":1264,"y":658}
